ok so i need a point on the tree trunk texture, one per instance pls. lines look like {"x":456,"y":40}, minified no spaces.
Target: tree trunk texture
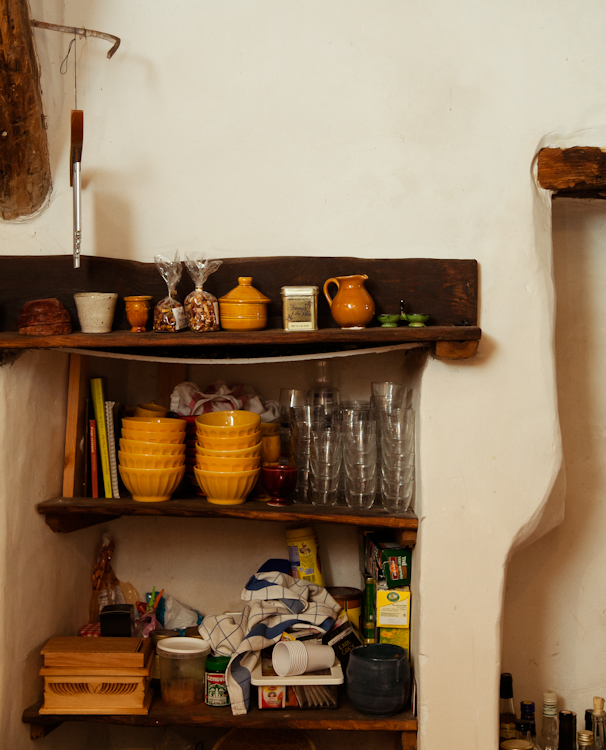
{"x":25,"y":176}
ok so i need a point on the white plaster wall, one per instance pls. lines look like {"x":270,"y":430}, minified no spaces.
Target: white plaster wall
{"x":554,"y":604}
{"x":347,"y":127}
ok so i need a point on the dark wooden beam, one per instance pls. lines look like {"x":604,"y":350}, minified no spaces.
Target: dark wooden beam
{"x":25,"y":176}
{"x":578,"y":172}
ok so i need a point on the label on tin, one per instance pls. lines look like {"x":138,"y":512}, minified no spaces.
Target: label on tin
{"x":303,"y":325}
{"x":216,"y":689}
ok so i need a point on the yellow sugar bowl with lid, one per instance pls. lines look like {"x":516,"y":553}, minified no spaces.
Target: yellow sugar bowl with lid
{"x":244,"y":308}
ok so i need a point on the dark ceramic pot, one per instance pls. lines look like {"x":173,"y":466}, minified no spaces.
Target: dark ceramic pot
{"x":378,"y":679}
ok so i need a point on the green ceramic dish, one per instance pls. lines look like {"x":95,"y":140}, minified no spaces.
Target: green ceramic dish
{"x":417,"y":320}
{"x":388,"y":321}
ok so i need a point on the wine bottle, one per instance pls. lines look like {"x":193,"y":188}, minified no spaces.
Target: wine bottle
{"x":507,"y":712}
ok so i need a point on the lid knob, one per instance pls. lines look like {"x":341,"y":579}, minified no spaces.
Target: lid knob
{"x":245,"y":280}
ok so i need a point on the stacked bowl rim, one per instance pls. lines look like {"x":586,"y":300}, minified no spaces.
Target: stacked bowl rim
{"x":228,"y":424}
{"x":143,"y":461}
{"x":227,"y":465}
{"x":144,"y":448}
{"x":153,"y":436}
{"x":252,"y":451}
{"x":164,"y":424}
{"x":229,"y":443}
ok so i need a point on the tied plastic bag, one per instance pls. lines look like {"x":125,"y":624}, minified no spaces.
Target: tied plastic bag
{"x":106,"y":586}
{"x":188,"y":399}
{"x":169,"y":314}
{"x":201,"y":308}
{"x":178,"y":616}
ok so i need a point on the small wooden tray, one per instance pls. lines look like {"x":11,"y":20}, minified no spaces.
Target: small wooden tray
{"x":98,"y":653}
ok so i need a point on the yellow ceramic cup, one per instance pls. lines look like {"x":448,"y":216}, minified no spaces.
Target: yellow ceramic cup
{"x":270,"y":448}
{"x":150,"y":410}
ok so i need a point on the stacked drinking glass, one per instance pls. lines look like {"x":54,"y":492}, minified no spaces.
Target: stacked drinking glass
{"x":316,"y":452}
{"x":359,"y":430}
{"x":397,"y":443}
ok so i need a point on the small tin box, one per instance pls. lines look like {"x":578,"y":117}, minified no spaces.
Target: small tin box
{"x":300,"y":308}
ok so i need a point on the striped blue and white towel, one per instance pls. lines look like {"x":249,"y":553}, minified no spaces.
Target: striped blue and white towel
{"x":277,"y":602}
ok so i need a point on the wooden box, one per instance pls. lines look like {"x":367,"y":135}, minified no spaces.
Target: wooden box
{"x":97,"y":675}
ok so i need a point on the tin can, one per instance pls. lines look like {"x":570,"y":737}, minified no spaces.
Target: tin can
{"x":350,"y":600}
{"x":304,"y":556}
{"x":216,"y":693}
{"x":300,"y":308}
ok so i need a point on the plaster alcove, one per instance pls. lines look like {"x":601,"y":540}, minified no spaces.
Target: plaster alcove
{"x":331,"y":127}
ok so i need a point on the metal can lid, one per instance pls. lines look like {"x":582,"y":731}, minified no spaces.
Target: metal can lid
{"x":299,"y":291}
{"x":585,"y":738}
{"x":217,"y":663}
{"x":516,"y":745}
{"x":345,"y":593}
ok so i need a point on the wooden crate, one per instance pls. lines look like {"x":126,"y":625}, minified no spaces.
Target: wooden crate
{"x":97,"y":676}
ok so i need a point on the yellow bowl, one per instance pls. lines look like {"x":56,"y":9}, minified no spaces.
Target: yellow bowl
{"x":226,"y":424}
{"x":162,"y":424}
{"x":150,"y":410}
{"x":151,"y":485}
{"x":151,"y":449}
{"x":229,"y":444}
{"x":151,"y":436}
{"x":269,"y":428}
{"x":226,"y":488}
{"x":139,"y":461}
{"x":252,"y":452}
{"x":206,"y":463}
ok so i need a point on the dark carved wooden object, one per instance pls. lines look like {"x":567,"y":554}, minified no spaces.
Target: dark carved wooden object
{"x":25,"y":176}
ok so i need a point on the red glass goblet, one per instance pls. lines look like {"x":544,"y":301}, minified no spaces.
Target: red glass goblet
{"x":279,"y":481}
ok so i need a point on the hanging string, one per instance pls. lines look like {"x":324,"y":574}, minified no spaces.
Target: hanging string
{"x":64,"y":66}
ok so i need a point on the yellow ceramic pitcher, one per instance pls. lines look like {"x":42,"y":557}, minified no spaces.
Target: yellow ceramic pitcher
{"x":352,"y":306}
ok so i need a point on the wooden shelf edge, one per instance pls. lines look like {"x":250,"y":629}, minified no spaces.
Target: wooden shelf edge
{"x":579,"y":172}
{"x":73,"y":513}
{"x":126,"y":339}
{"x":345,"y":718}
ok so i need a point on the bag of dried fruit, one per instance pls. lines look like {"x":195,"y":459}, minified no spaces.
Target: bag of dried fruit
{"x":201,"y":308}
{"x":169,"y":314}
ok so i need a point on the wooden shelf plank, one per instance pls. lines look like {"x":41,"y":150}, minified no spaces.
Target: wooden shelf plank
{"x":573,"y":172}
{"x":268,"y":337}
{"x":71,"y":513}
{"x":160,"y":715}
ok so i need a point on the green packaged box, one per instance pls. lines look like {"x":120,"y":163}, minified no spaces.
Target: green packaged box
{"x":385,"y":559}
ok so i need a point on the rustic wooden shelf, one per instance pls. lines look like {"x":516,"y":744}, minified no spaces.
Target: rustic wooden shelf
{"x":267,"y":337}
{"x":160,"y":715}
{"x":577,"y":172}
{"x":67,"y":514}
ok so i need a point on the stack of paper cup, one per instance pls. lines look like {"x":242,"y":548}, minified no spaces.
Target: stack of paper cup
{"x":294,"y":657}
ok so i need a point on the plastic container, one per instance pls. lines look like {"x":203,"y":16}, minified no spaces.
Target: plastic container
{"x":182,"y":668}
{"x":304,"y":554}
{"x":216,"y":684}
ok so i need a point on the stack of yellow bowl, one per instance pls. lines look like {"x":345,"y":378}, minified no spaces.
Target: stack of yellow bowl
{"x":228,"y":455}
{"x":152,"y":457}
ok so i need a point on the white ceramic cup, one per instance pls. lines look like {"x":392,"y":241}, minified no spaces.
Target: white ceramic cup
{"x":96,"y":311}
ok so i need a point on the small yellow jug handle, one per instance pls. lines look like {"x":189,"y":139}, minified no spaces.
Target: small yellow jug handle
{"x":326,"y":294}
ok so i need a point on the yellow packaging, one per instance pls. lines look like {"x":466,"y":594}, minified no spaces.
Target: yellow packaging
{"x":395,"y":636}
{"x":303,"y":553}
{"x":393,"y":608}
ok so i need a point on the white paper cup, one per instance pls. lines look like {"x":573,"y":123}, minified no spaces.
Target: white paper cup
{"x":319,"y":657}
{"x":289,"y":658}
{"x":96,"y":311}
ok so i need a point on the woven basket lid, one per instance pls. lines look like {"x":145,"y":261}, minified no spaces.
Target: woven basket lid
{"x":261,"y":739}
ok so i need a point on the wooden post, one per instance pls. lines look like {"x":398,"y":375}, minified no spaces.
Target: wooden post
{"x":25,"y":176}
{"x":75,"y":429}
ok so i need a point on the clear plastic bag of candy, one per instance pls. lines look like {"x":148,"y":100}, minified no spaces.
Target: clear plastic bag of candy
{"x":201,"y":308}
{"x":169,"y":314}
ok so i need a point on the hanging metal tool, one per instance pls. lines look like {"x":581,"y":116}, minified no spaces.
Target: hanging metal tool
{"x":77,"y":137}
{"x":77,"y":124}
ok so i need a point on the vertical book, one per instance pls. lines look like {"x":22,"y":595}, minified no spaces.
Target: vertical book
{"x":96,"y":385}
